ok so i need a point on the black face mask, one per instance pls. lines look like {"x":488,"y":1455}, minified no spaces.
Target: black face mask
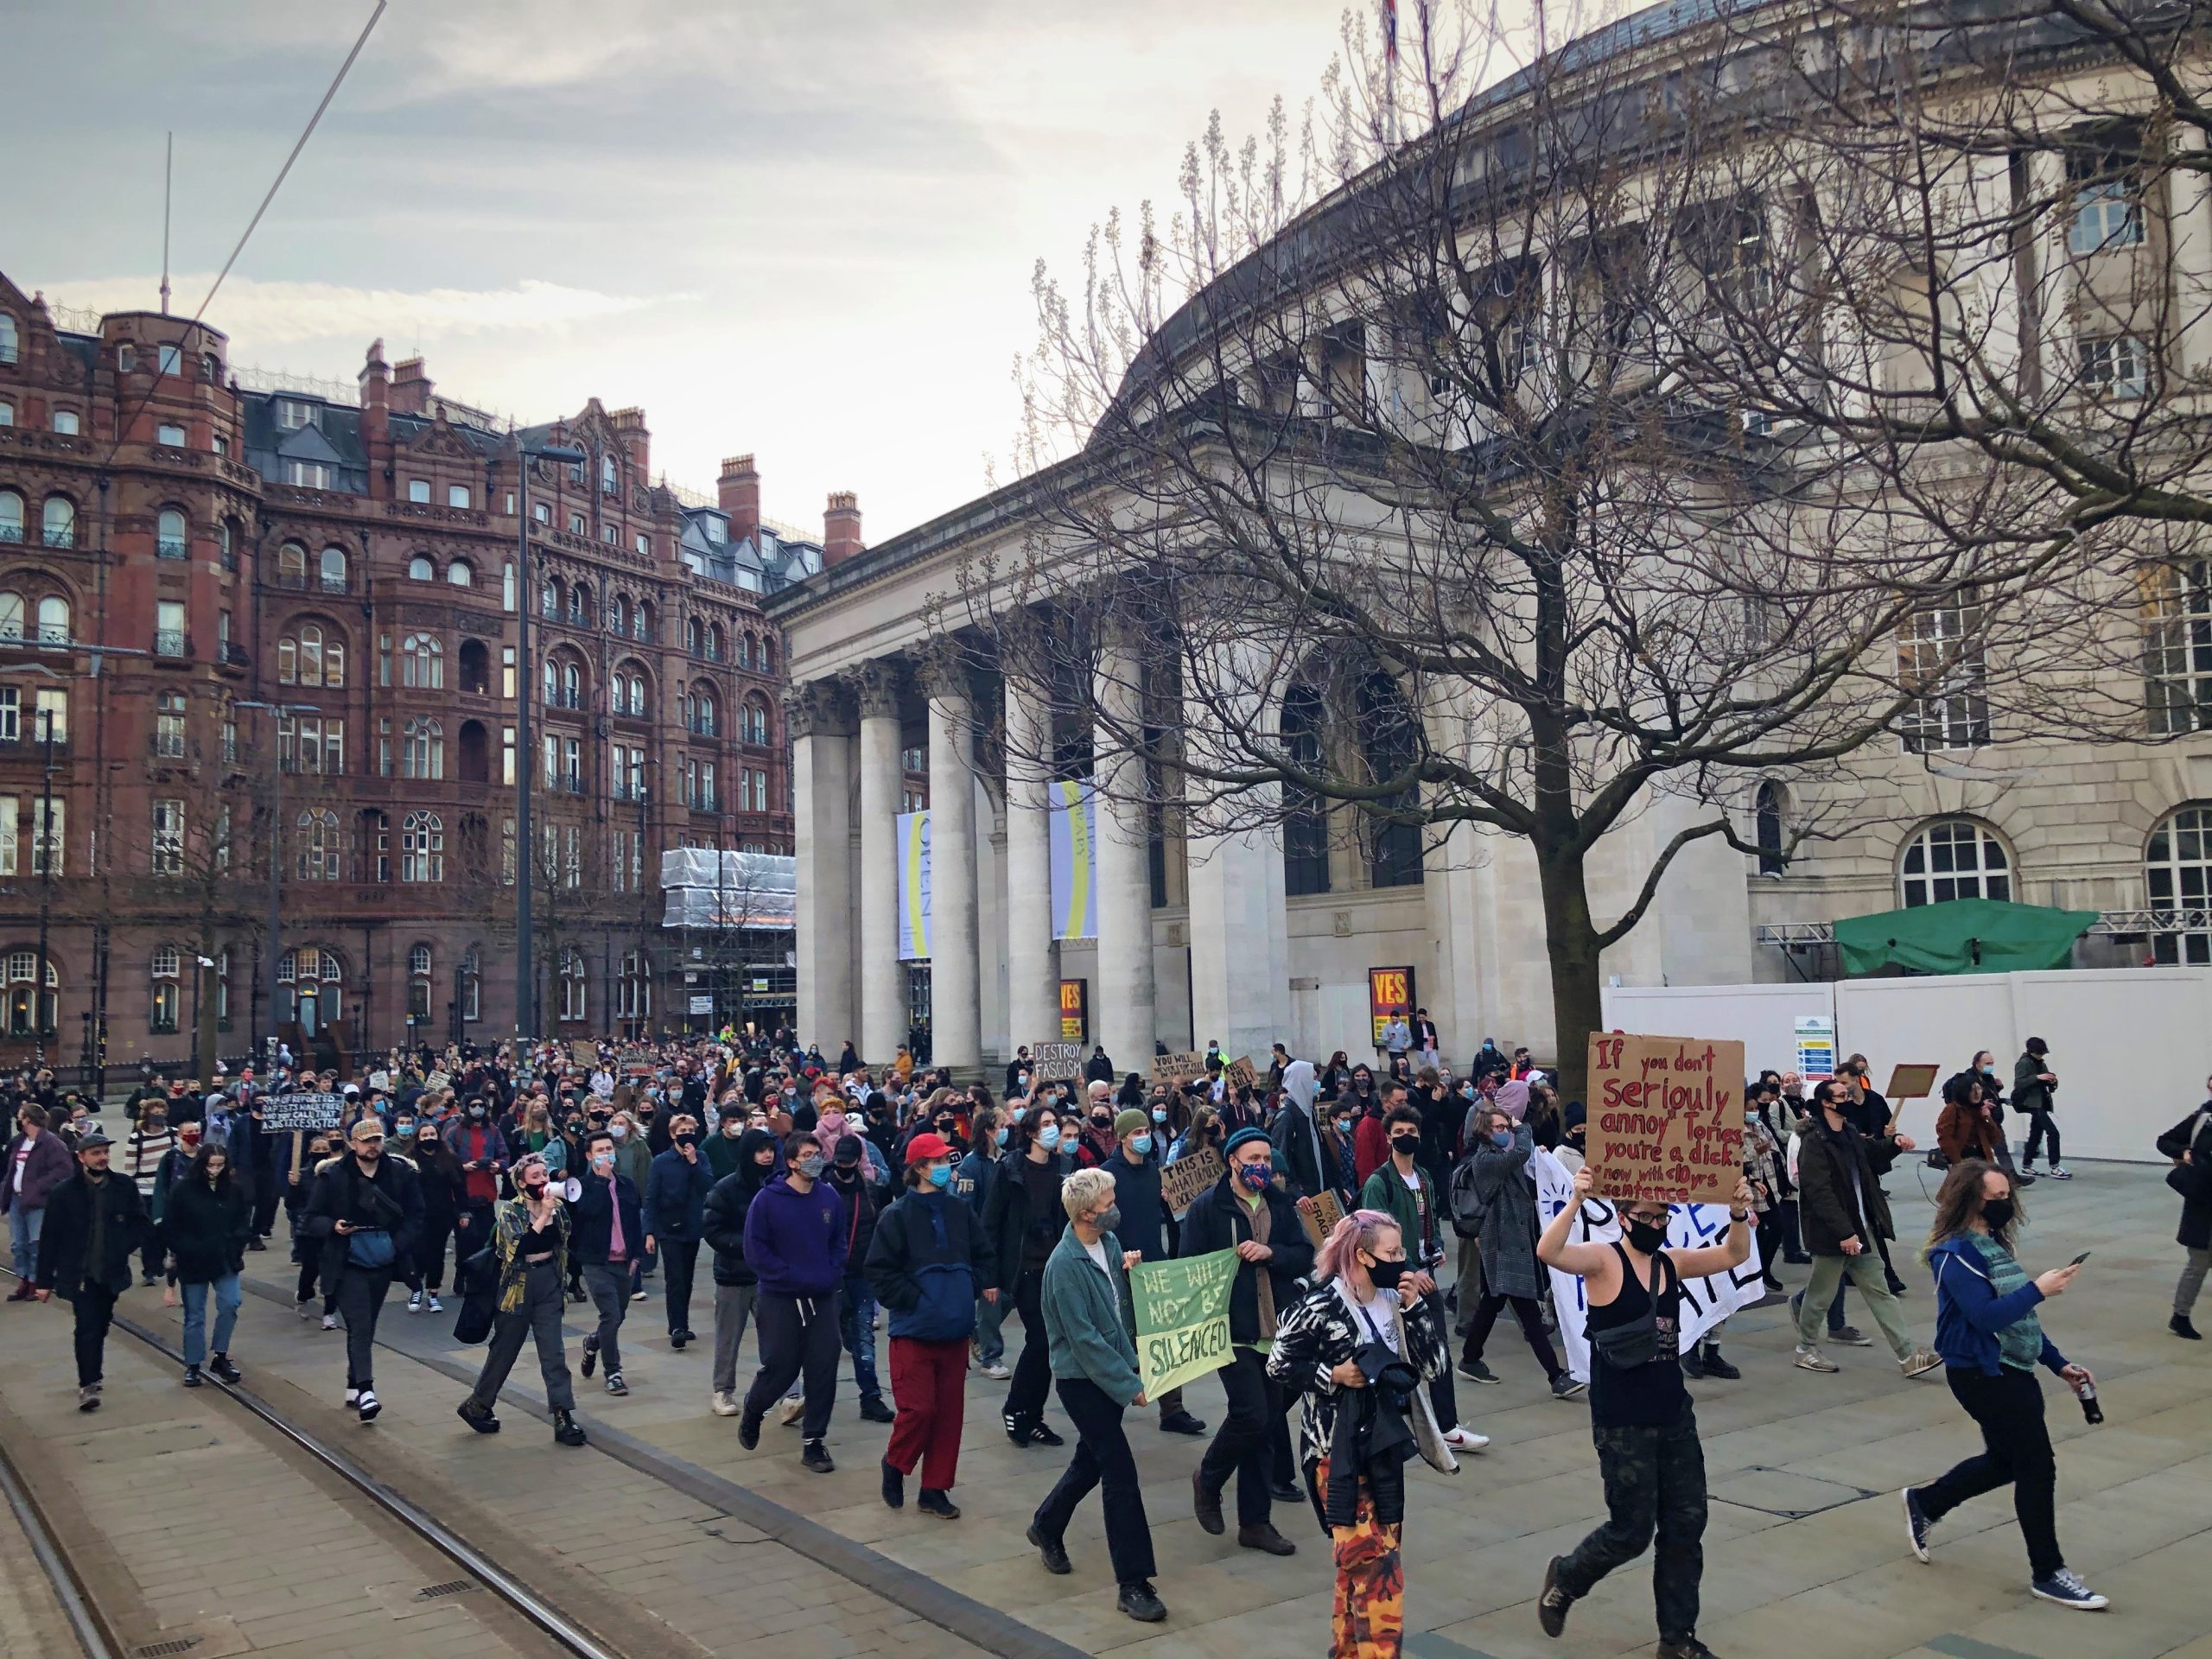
{"x":1386,"y":1275}
{"x":1409,"y":1144}
{"x":1647,"y":1237}
{"x":1998,"y":1212}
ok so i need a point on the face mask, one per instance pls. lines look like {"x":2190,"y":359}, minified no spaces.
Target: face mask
{"x":940,"y":1175}
{"x":1102,"y":1120}
{"x":1108,"y":1219}
{"x":619,"y":1131}
{"x":811,"y":1167}
{"x":1160,"y":1113}
{"x":1501,"y":1138}
{"x":1386,"y":1275}
{"x":476,"y":1111}
{"x":1049,"y":1139}
{"x":1256,"y":1175}
{"x":405,"y":1129}
{"x":1409,"y":1144}
{"x":1998,"y":1212}
{"x":687,"y":1139}
{"x":1141,"y":1145}
{"x":1647,"y":1237}
{"x":731,"y":1129}
{"x":428,"y":1145}
{"x":602,"y":1161}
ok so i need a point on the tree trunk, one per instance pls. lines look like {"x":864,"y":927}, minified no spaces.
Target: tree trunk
{"x":1570,"y":940}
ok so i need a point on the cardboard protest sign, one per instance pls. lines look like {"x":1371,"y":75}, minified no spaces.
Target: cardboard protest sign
{"x":1239,"y":1073}
{"x":1182,"y":1318}
{"x":1055,"y":1062}
{"x":436,"y":1081}
{"x":583,"y":1053}
{"x":281,"y":1114}
{"x":1705,"y":1301}
{"x":1178,"y":1068}
{"x":1187,"y":1178}
{"x":1326,"y":1214}
{"x":1666,"y":1117}
{"x":380,"y":1080}
{"x":1912,"y":1082}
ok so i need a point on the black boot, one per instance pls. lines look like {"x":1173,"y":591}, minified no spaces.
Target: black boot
{"x":479,"y":1418}
{"x":1717,"y":1367}
{"x":2180,"y":1327}
{"x":894,"y":1487}
{"x":565,"y":1431}
{"x":1694,"y":1363}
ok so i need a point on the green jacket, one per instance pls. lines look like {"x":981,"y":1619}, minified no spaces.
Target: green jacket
{"x":1386,"y":1190}
{"x":1088,"y":1336}
{"x":2030,"y":1091}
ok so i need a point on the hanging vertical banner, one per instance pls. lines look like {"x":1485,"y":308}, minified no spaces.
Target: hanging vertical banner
{"x":1075,"y":1018}
{"x":1074,"y":814}
{"x":913,"y":886}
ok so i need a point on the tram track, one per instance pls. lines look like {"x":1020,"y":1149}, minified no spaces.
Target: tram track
{"x":97,"y":1634}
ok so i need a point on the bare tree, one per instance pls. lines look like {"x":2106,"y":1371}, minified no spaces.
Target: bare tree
{"x":1438,"y":451}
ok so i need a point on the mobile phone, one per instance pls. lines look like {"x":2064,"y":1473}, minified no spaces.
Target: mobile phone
{"x":2080,"y":1259}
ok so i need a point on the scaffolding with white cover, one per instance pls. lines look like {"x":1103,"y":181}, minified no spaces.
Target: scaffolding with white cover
{"x":736,"y":913}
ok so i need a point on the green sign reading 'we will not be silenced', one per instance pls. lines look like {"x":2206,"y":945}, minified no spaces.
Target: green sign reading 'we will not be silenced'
{"x":1182,"y":1319}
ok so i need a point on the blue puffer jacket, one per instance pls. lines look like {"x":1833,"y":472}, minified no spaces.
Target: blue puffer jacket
{"x":1969,"y":1313}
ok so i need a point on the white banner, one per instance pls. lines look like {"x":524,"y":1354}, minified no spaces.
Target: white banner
{"x":1705,"y":1301}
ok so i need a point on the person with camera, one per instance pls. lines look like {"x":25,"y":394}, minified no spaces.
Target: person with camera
{"x":1987,"y":1332}
{"x":1640,"y":1411}
{"x":366,"y":1210}
{"x":1359,"y":1353}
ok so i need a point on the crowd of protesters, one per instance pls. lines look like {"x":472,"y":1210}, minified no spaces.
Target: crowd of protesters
{"x":831,"y":1197}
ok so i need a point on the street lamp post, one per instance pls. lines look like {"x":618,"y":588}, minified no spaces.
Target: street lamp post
{"x":525,"y":756}
{"x":274,"y":923}
{"x":47,"y":850}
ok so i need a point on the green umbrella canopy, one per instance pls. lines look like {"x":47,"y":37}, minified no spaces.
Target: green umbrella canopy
{"x":1964,"y":936}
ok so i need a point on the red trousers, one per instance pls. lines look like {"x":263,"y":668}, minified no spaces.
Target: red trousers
{"x":929,"y":1381}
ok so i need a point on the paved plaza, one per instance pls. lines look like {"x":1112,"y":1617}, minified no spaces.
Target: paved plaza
{"x":687,"y":1535}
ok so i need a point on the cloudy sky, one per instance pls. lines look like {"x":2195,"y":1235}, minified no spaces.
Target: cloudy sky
{"x":803,"y":228}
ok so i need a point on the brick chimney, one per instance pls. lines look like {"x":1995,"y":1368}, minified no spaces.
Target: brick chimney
{"x":410,"y":388}
{"x":376,"y":417}
{"x":740,"y":486}
{"x":841,"y":527}
{"x":631,"y":423}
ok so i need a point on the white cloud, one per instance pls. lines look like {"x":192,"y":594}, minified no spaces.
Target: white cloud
{"x":256,"y":314}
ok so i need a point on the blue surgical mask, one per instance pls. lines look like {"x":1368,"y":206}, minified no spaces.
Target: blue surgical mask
{"x":1160,"y":1113}
{"x":1141,"y":1145}
{"x":1001,"y":1136}
{"x":1049,"y":1139}
{"x":940,"y":1175}
{"x":1500,"y":1137}
{"x":1021,"y":1112}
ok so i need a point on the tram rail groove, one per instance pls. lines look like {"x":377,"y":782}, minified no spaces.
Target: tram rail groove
{"x":91,"y":1628}
{"x":543,"y":1617}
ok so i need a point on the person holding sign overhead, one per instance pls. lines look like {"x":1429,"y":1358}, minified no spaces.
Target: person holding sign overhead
{"x":1094,"y":1361}
{"x":1641,"y":1416}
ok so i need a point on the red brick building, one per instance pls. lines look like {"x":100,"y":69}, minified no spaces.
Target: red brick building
{"x":230,"y":608}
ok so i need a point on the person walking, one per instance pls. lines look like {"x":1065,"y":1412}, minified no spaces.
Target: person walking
{"x":929,"y":1262}
{"x":2035,"y":1089}
{"x":848,"y":1179}
{"x":1135,"y":1165}
{"x":1497,"y":1160}
{"x":675,"y":1211}
{"x":37,"y":1163}
{"x":95,"y":1221}
{"x":1358,"y":1351}
{"x":481,"y":1152}
{"x":606,"y":1233}
{"x":1991,"y":1340}
{"x":1023,"y":1218}
{"x":1245,"y":1212}
{"x":795,"y":1244}
{"x":1402,"y":1190}
{"x":1843,"y":1212}
{"x":148,"y":1143}
{"x":1094,"y":1363}
{"x":366,"y":1210}
{"x":438,"y":1178}
{"x":1963,"y":1128}
{"x":987,"y":1136}
{"x":2188,"y":1143}
{"x":529,"y":1235}
{"x":735,"y":1284}
{"x":1641,"y":1416}
{"x":205,"y":1228}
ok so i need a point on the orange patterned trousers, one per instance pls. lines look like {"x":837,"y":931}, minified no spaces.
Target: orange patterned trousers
{"x":1369,"y":1618}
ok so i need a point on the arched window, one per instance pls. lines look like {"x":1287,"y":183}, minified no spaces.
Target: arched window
{"x":1767,"y":822}
{"x":170,"y":534}
{"x":642,"y":625}
{"x":548,"y":600}
{"x":458,"y":573}
{"x":422,"y":754}
{"x":745,"y":650}
{"x":11,"y":616}
{"x":1954,"y":858}
{"x":702,"y":720}
{"x":423,"y":663}
{"x":54,"y":621}
{"x":507,"y":585}
{"x":767,"y":655}
{"x":320,"y":845}
{"x":311,"y":979}
{"x":291,"y":565}
{"x":580,"y":605}
{"x":572,"y":686}
{"x":693,"y":640}
{"x":419,"y":568}
{"x":573,"y":999}
{"x":168,"y":725}
{"x":609,"y":482}
{"x":163,"y":969}
{"x":12,"y":515}
{"x":59,"y":524}
{"x":1390,"y":739}
{"x":422,"y":848}
{"x":332,"y":570}
{"x":471,"y":984}
{"x":308,"y":658}
{"x":618,"y":615}
{"x":1306,"y":817}
{"x":23,"y":975}
{"x":2177,"y":877}
{"x":714,"y":642}
{"x":419,"y":982}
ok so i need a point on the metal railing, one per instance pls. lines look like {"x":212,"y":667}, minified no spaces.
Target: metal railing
{"x":168,"y":643}
{"x":170,"y":547}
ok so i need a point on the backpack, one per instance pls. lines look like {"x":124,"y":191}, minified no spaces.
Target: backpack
{"x":1469,"y":1207}
{"x":2193,"y":1183}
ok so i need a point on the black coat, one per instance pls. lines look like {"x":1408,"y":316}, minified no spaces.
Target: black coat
{"x":67,"y":1235}
{"x":862,"y":1207}
{"x":2193,"y":1136}
{"x":1825,"y":1160}
{"x":205,"y":1228}
{"x":1136,"y":1189}
{"x":1006,"y":1213}
{"x":591,"y":1219}
{"x":392,"y":1199}
{"x":727,"y":1200}
{"x":1220,"y":1221}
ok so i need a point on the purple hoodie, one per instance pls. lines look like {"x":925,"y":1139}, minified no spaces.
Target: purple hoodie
{"x":794,"y":1242}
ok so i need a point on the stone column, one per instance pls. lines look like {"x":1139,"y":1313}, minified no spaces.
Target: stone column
{"x":956,"y":991}
{"x":882,"y":975}
{"x":1032,"y":956}
{"x":1124,"y":1020}
{"x":822,"y":785}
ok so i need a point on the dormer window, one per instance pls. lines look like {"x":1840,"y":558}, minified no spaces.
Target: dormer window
{"x":292,"y":414}
{"x":717,"y":531}
{"x":171,"y":358}
{"x":608,"y":483}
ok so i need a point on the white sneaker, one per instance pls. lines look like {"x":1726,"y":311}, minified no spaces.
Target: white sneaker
{"x":726,"y":1403}
{"x":1465,"y":1440}
{"x":330,"y":1321}
{"x":997,"y":1371}
{"x":792,"y":1411}
{"x":1812,"y":1359}
{"x":368,"y":1405}
{"x":431,"y":1304}
{"x":2059,"y":1173}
